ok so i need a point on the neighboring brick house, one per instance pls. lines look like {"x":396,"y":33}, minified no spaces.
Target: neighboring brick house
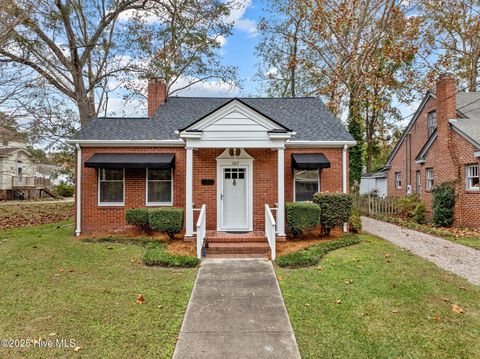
{"x":441,"y":144}
{"x":233,"y":155}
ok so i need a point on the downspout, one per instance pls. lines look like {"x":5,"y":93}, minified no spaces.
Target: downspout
{"x":79,"y":190}
{"x":344,"y":177}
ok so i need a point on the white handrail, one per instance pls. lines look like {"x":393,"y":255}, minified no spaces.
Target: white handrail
{"x":270,"y":229}
{"x":201,"y":230}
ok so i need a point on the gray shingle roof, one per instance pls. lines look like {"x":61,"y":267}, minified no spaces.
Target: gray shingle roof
{"x":468,"y":103}
{"x":308,"y":116}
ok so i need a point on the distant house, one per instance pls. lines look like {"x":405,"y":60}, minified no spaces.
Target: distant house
{"x":441,"y":144}
{"x":374,"y":183}
{"x":19,"y":175}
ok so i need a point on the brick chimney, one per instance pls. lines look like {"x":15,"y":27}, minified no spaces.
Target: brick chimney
{"x":446,"y":110}
{"x":157,"y":94}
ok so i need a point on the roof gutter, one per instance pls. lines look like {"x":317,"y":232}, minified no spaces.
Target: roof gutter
{"x":128,"y":143}
{"x":313,"y":144}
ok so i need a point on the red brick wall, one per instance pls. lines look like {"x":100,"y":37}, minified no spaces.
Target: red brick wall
{"x":448,"y":156}
{"x":100,"y":218}
{"x":112,"y":218}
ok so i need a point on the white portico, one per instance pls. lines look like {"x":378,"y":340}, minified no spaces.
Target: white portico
{"x":234,"y":127}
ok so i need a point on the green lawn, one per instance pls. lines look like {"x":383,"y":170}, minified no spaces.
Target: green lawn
{"x":397,"y":306}
{"x":54,"y":286}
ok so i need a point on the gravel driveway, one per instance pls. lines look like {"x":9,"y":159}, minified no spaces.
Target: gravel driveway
{"x":458,"y":259}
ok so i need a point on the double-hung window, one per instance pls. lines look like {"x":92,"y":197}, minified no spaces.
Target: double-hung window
{"x":398,"y":180}
{"x":429,"y":179}
{"x":159,"y":187}
{"x":306,"y":184}
{"x":431,"y":122}
{"x":419,"y":182}
{"x":472,"y":178}
{"x":111,"y":185}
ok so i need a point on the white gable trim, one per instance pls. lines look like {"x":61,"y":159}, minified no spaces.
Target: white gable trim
{"x":234,"y":106}
{"x":235,"y":125}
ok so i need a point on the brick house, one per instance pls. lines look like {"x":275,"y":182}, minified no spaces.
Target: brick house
{"x":441,"y":144}
{"x":222,"y":159}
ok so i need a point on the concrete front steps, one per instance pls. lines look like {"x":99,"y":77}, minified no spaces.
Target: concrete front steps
{"x":237,"y":245}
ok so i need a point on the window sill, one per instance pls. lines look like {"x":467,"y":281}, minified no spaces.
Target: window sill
{"x":163,"y":204}
{"x":472,"y":191}
{"x":111,"y":204}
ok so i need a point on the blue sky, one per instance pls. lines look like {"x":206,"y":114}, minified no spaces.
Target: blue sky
{"x":237,"y":50}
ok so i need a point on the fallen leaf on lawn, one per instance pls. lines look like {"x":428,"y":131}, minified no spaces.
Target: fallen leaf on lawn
{"x":280,"y":277}
{"x":364,"y":314}
{"x":436,"y":317}
{"x":307,"y":304}
{"x":110,"y":247}
{"x":56,"y":274}
{"x":446,"y":299}
{"x":76,"y":349}
{"x":52,"y":334}
{"x":61,"y":270}
{"x":349,"y":281}
{"x":132,"y":260}
{"x":140,"y":299}
{"x":386,"y":255}
{"x":457,"y":309}
{"x":71,"y":270}
{"x":319,"y":268}
{"x":395,"y":310}
{"x":359,"y":266}
{"x":338,"y":301}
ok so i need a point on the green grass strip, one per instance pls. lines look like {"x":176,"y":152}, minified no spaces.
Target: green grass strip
{"x":312,"y":255}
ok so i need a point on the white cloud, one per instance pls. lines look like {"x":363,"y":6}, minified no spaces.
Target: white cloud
{"x":248,"y":26}
{"x":215,"y":88}
{"x":222,"y":40}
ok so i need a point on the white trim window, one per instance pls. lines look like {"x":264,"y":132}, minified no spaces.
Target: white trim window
{"x":398,"y":180}
{"x":472,"y":177}
{"x":111,"y":186}
{"x":431,"y":122}
{"x":430,"y":179}
{"x":159,"y":187}
{"x":305,"y":184}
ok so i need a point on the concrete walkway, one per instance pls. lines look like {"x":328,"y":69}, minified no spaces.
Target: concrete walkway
{"x":461,"y":260}
{"x":236,"y":311}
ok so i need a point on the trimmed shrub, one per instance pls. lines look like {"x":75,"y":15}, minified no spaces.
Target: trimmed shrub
{"x":311,"y":256}
{"x":335,"y":209}
{"x":139,"y":218}
{"x":355,"y":222}
{"x":412,"y":207}
{"x":64,"y":190}
{"x":443,"y":205}
{"x":301,"y":216}
{"x":156,"y":256}
{"x":168,"y":220}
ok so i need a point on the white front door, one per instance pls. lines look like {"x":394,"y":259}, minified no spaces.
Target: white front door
{"x":233,"y":199}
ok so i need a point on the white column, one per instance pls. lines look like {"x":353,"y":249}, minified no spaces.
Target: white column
{"x":78,"y":190}
{"x":189,"y":194}
{"x":344,"y":176}
{"x":281,"y":193}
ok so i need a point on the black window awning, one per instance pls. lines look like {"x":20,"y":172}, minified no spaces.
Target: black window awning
{"x":309,"y":161}
{"x":131,"y":160}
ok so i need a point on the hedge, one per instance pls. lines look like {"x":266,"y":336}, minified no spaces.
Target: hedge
{"x":412,"y":207}
{"x":138,"y":217}
{"x":335,"y":209}
{"x":168,"y":220}
{"x":156,"y":256}
{"x":443,"y":204}
{"x":312,"y":255}
{"x":301,"y":216}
